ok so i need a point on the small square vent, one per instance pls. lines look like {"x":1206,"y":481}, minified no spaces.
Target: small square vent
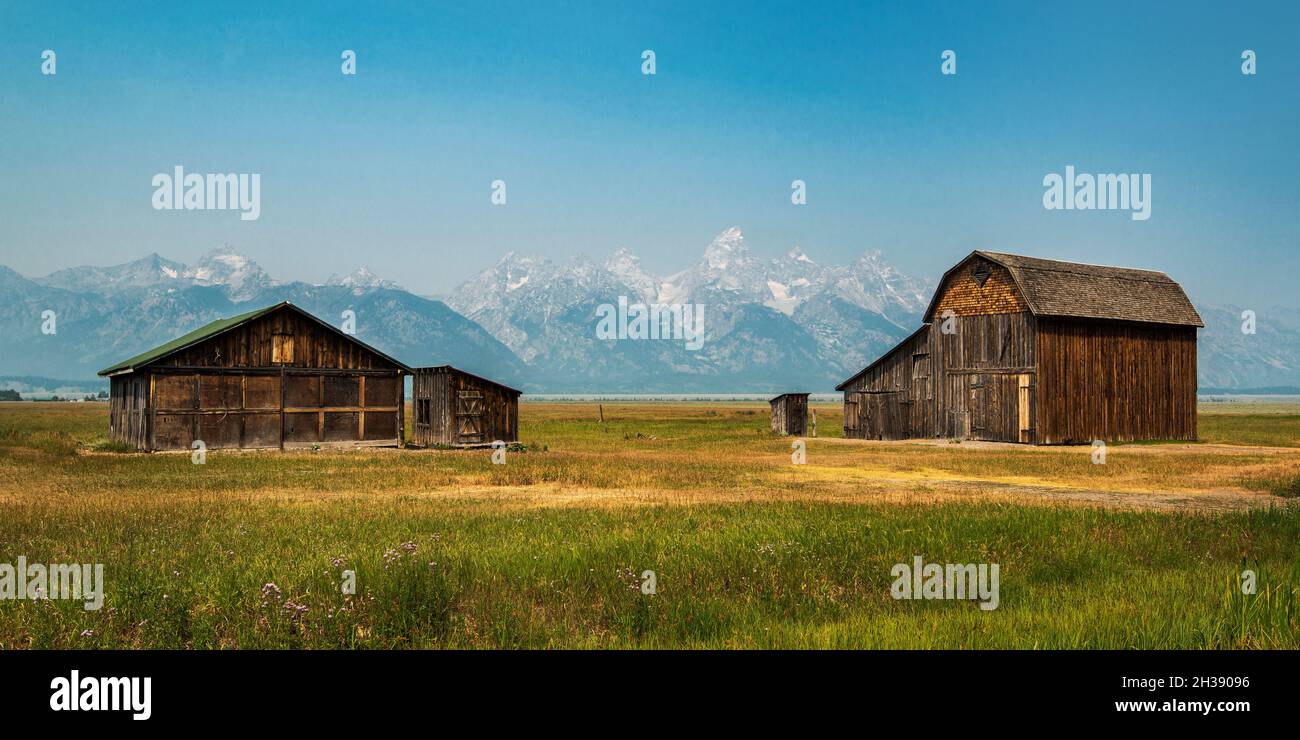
{"x":981,"y":274}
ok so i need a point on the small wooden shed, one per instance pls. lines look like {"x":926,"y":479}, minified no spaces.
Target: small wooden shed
{"x":276,"y":377}
{"x":790,"y":414}
{"x":1023,"y":349}
{"x":460,"y":409}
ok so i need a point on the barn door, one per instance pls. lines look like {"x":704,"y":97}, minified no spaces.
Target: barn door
{"x":139,"y":417}
{"x":893,"y":413}
{"x":1025,"y":408}
{"x":977,"y":407}
{"x":852,"y":413}
{"x":469,"y":416}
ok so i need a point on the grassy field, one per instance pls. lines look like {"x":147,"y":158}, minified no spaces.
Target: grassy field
{"x":748,"y":549}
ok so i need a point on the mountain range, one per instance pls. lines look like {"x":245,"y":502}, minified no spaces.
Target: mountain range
{"x":788,"y":323}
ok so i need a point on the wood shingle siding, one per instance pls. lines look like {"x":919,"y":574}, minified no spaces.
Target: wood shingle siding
{"x":966,"y":297}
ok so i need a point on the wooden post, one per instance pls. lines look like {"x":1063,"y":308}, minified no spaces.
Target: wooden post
{"x":601,"y":407}
{"x":813,"y":411}
{"x":361,"y":403}
{"x":401,"y":409}
{"x":281,"y":405}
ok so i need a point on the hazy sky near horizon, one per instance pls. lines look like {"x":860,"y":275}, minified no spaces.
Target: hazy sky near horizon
{"x":392,"y":168}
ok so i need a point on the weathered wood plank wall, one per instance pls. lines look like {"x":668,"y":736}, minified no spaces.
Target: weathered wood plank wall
{"x":790,"y":414}
{"x":456,"y":408}
{"x":1116,"y":382}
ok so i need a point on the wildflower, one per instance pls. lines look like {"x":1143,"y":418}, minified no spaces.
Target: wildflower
{"x":295,"y":610}
{"x":270,"y":591}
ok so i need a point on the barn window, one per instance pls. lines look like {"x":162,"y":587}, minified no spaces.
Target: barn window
{"x":981,"y":274}
{"x":281,"y":348}
{"x":422,"y":411}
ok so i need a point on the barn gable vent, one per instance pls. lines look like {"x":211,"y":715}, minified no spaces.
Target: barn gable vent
{"x":981,"y":273}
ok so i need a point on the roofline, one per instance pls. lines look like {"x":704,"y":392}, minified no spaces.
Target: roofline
{"x":1103,"y":319}
{"x":466,"y":372}
{"x":773,"y":398}
{"x":255,"y":315}
{"x":887,"y":353}
{"x":993,"y":257}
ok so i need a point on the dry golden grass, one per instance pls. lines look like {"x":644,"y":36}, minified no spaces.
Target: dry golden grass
{"x":750,"y":549}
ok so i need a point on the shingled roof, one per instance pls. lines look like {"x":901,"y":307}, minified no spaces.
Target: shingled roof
{"x":1074,"y":290}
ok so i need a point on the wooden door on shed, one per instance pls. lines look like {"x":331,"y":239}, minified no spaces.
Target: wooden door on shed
{"x":469,"y":416}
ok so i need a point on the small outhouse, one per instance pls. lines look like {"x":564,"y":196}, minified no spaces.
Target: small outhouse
{"x":790,"y":414}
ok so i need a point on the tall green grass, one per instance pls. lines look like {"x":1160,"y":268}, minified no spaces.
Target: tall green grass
{"x":754,"y":575}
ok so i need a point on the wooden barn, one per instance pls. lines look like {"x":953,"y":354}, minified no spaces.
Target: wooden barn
{"x":459,"y":409}
{"x":1020,"y":349}
{"x":273,"y":378}
{"x":790,"y":414}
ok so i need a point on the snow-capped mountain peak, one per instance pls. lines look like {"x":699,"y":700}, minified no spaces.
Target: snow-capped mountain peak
{"x":797,"y":254}
{"x":241,"y":276}
{"x":626,"y":267}
{"x":362,"y":280}
{"x":727,"y":250}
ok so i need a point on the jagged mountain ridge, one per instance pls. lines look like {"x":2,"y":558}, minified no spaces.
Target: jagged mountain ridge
{"x":780,"y":324}
{"x":769,"y":324}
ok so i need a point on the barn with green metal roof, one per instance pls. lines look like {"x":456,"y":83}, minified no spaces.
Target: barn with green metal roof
{"x":276,"y":377}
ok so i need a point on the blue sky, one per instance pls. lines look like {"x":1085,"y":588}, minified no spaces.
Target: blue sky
{"x":392,"y":168}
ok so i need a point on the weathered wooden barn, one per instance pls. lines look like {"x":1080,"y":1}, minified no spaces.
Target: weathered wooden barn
{"x":277,"y":377}
{"x":790,"y":414}
{"x":1021,"y":349}
{"x":456,"y":408}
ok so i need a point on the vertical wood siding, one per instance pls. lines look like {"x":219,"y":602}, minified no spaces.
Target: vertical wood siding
{"x":455,"y":408}
{"x":1116,"y":382}
{"x":282,"y":380}
{"x":790,"y":414}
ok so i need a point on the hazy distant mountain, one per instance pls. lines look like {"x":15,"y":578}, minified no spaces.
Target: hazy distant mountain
{"x":787,"y":323}
{"x":1229,"y":358}
{"x":237,"y":275}
{"x":362,"y":280}
{"x":106,"y":314}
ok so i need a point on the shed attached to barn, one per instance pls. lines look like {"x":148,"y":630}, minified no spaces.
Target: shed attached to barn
{"x":276,"y":377}
{"x":1021,"y":349}
{"x":460,"y":409}
{"x":790,"y":414}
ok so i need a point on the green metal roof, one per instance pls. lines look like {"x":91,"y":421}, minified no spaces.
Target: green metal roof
{"x":198,"y":335}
